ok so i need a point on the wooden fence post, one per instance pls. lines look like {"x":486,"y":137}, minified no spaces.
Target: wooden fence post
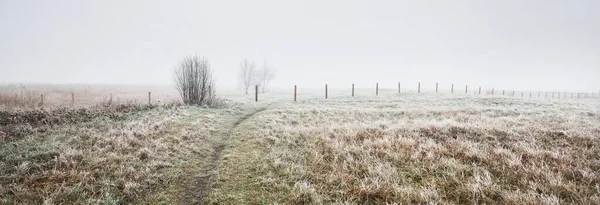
{"x":538,"y":94}
{"x":546,"y":95}
{"x":452,"y":89}
{"x":42,"y":101}
{"x":295,"y":91}
{"x":376,"y":89}
{"x":419,"y":89}
{"x":480,"y":90}
{"x":552,"y":95}
{"x":256,"y":93}
{"x":110,"y":100}
{"x":466,"y":89}
{"x":492,"y":91}
{"x":352,"y":89}
{"x":150,"y":98}
{"x":529,"y":94}
{"x":521,"y":94}
{"x":16,"y":98}
{"x":398,"y":87}
{"x":325,"y":91}
{"x":502,"y":92}
{"x":436,"y":87}
{"x":72,"y":99}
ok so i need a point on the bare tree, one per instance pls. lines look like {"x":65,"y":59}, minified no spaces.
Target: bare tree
{"x":247,"y":74}
{"x":265,"y":75}
{"x":194,"y":80}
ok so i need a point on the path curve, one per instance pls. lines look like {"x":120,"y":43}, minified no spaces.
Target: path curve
{"x":203,"y":183}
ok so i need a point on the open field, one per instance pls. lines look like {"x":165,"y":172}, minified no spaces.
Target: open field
{"x":409,"y":149}
{"x":28,"y":97}
{"x":416,"y":149}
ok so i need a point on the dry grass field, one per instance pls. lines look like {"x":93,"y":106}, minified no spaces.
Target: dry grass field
{"x":416,"y":149}
{"x":29,"y":97}
{"x":409,"y":149}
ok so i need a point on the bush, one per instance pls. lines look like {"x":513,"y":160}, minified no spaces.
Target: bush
{"x":194,"y":81}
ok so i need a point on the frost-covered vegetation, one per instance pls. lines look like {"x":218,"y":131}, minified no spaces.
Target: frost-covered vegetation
{"x":408,"y":149}
{"x":147,"y":156}
{"x":425,"y":148}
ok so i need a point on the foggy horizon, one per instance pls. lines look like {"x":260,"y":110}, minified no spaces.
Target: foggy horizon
{"x":512,"y":45}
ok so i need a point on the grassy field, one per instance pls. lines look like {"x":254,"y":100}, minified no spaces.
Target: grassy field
{"x":416,"y":149}
{"x":409,"y":149}
{"x":29,"y":97}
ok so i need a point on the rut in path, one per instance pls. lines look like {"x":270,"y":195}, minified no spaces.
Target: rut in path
{"x":203,"y":183}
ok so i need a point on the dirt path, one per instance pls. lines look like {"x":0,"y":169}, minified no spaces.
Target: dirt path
{"x":207,"y":176}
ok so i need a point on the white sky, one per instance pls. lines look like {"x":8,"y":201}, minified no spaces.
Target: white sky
{"x":508,"y":44}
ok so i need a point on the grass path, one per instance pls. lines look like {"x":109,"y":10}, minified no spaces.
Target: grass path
{"x":207,"y":176}
{"x":413,"y":150}
{"x":161,"y":156}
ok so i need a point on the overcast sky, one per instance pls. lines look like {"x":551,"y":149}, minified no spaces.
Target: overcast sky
{"x":511,"y":44}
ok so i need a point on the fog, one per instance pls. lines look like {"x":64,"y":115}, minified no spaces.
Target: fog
{"x":511,"y":44}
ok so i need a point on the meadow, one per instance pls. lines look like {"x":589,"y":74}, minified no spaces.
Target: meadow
{"x":389,"y":149}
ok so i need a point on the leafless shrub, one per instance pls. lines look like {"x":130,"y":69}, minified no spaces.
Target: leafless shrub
{"x":248,"y":75}
{"x":194,"y":80}
{"x":265,"y":75}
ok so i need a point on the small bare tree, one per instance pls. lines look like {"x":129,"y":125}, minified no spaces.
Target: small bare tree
{"x":194,"y":80}
{"x":247,"y":74}
{"x":265,"y":75}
